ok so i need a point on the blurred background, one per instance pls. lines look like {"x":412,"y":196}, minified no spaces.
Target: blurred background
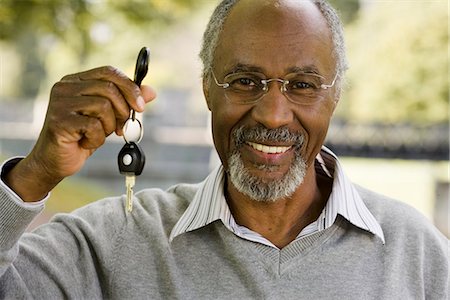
{"x":391,"y":129}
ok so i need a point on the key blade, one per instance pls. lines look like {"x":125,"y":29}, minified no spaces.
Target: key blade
{"x":130,"y":181}
{"x":129,"y":199}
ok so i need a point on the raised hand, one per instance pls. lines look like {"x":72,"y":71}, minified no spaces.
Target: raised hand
{"x":84,"y":109}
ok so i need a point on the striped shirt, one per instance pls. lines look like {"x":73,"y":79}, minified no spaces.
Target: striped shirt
{"x":209,"y":205}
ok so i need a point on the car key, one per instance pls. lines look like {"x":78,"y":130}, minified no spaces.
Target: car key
{"x":131,"y":161}
{"x":141,"y":70}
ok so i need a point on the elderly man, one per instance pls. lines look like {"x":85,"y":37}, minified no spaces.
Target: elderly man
{"x":278,"y":219}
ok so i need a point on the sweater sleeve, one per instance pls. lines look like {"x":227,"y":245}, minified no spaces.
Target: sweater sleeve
{"x":14,"y":219}
{"x":15,"y":214}
{"x":69,"y":257}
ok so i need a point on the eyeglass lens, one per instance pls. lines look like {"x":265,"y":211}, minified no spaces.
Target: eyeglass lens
{"x":298,"y":87}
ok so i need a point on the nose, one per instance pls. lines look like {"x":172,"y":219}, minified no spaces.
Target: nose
{"x":273,"y":110}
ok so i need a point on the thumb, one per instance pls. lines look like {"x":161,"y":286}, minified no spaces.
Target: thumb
{"x":148,"y":93}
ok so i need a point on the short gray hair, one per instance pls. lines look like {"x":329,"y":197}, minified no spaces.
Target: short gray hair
{"x":220,"y":14}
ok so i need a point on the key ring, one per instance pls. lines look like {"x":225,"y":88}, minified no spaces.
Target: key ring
{"x":139,"y":74}
{"x":125,"y":129}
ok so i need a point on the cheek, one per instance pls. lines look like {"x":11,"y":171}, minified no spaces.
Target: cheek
{"x":315,"y":121}
{"x":225,"y":118}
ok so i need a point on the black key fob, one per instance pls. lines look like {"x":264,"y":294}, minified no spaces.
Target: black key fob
{"x":131,"y":159}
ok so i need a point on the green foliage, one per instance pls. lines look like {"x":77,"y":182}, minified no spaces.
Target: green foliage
{"x":348,"y":9}
{"x":398,"y":50}
{"x":398,"y":54}
{"x":34,"y":26}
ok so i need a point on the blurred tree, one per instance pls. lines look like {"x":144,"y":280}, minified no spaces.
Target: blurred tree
{"x":398,"y":54}
{"x":33,"y":26}
{"x":348,"y":9}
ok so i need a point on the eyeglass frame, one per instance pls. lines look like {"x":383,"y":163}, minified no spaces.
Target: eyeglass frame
{"x":284,"y":82}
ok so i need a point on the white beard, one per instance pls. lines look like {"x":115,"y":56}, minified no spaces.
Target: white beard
{"x":255,"y":187}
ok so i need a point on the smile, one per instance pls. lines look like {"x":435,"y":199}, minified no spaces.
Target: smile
{"x":268,"y":149}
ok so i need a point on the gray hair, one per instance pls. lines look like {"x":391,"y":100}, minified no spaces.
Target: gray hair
{"x":220,"y":14}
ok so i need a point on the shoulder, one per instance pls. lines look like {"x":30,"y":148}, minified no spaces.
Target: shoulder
{"x":385,"y":208}
{"x":152,"y":207}
{"x":392,"y":212}
{"x":414,"y":246}
{"x":177,"y":197}
{"x":402,"y":222}
{"x":169,"y":204}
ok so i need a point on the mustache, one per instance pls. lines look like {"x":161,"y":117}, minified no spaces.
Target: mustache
{"x":262,"y":134}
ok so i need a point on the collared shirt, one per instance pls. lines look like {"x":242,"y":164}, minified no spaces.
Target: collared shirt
{"x":209,"y":205}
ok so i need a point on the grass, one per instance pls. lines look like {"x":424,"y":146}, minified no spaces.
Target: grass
{"x":73,"y":193}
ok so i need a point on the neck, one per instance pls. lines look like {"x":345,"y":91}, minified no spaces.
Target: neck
{"x":281,"y":221}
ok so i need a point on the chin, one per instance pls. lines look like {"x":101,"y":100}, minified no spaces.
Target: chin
{"x":266,"y":183}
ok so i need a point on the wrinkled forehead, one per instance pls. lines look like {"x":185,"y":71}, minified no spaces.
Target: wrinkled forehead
{"x":278,"y":15}
{"x":259,"y":28}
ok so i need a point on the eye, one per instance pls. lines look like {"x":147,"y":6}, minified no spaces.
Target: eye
{"x":304,"y":82}
{"x":244,"y":82}
{"x":300,"y":85}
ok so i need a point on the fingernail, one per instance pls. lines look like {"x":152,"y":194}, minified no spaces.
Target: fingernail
{"x":140,"y":103}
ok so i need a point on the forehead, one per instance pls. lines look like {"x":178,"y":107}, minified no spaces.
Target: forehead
{"x":275,"y":35}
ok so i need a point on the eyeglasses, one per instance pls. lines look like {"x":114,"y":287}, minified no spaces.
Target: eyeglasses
{"x":249,"y":87}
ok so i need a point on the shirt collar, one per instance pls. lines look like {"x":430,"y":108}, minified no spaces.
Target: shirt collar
{"x":345,"y":200}
{"x":209,"y":203}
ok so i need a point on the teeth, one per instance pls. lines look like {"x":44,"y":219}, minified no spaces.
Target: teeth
{"x":268,"y":149}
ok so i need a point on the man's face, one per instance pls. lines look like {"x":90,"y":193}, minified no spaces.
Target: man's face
{"x":273,"y":39}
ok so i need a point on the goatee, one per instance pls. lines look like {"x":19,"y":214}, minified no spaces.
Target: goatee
{"x":255,"y":187}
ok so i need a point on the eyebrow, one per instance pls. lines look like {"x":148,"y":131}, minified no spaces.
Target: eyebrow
{"x":245,"y":68}
{"x":312,"y":69}
{"x":240,"y":67}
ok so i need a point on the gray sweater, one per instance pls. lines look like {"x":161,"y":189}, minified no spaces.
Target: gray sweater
{"x":101,"y":252}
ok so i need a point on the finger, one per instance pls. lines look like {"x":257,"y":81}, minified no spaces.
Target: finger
{"x":102,"y":89}
{"x":75,"y":128}
{"x":126,"y":86}
{"x":88,"y":130}
{"x":91,"y":106}
{"x":93,"y":136}
{"x":101,"y":109}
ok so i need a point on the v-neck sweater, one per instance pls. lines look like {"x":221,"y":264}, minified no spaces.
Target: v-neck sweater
{"x":100,"y":251}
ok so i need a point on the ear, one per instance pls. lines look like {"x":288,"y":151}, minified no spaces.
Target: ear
{"x":206,"y":92}
{"x":336,"y":101}
{"x":337,"y":97}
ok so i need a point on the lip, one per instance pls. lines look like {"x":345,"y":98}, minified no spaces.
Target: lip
{"x":269,"y":149}
{"x":268,"y":155}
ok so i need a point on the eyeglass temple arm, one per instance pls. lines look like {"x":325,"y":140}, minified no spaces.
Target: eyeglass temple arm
{"x":224,"y":85}
{"x":327,"y":86}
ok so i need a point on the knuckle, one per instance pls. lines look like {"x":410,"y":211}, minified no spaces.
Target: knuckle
{"x":92,"y":129}
{"x":93,"y":125}
{"x":64,"y":89}
{"x":136,"y":90}
{"x":57,"y":88}
{"x":111,"y":89}
{"x":105,"y":105}
{"x":109,"y":69}
{"x":67,"y":77}
{"x":109,"y":85}
{"x":112,"y":71}
{"x":123,"y":112}
{"x":120,"y":120}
